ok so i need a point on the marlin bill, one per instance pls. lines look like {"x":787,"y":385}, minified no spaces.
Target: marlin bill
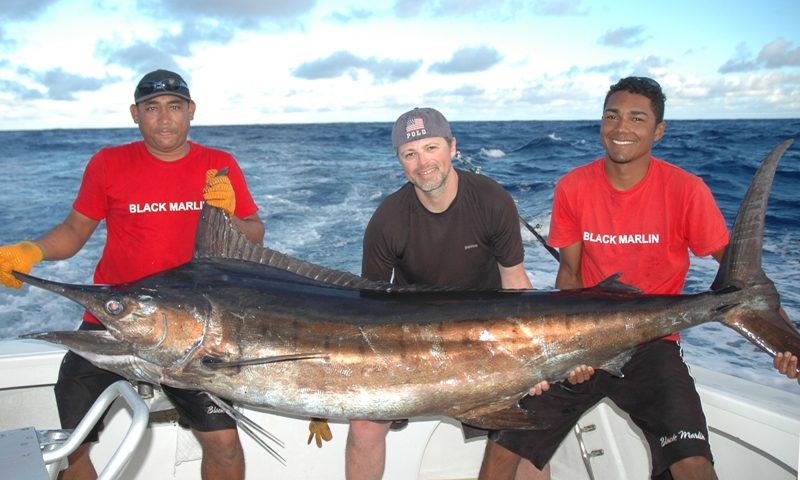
{"x":264,"y":329}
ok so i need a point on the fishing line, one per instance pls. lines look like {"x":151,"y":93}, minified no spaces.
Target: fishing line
{"x":477,"y":170}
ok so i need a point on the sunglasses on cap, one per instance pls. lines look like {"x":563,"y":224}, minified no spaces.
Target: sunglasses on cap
{"x":166,"y":85}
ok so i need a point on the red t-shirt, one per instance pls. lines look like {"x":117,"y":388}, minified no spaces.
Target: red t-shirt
{"x":644,"y":233}
{"x":151,"y":207}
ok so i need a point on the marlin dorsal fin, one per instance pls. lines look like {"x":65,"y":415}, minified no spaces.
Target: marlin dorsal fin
{"x":217,"y":237}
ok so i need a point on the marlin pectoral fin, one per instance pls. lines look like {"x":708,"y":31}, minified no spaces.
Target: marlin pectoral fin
{"x":614,"y":365}
{"x":250,"y":427}
{"x":508,"y":415}
{"x":513,"y":417}
{"x":612,"y":284}
{"x":212,"y":362}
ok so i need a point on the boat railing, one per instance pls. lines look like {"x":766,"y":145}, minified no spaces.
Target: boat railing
{"x":54,"y":456}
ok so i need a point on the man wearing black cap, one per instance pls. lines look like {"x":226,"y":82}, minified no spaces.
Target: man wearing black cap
{"x":150,"y":193}
{"x":445,"y":227}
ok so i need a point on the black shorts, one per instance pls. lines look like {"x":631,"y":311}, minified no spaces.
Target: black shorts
{"x":80,"y":383}
{"x":656,"y":391}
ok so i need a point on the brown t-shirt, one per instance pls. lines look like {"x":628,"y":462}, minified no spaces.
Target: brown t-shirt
{"x":459,"y":247}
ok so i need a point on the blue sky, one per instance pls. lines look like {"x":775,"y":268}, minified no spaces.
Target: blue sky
{"x":74,"y":64}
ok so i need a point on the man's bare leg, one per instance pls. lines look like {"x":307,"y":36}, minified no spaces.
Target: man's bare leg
{"x":80,"y":465}
{"x":223,"y":456}
{"x":365,"y":451}
{"x":528,"y":471}
{"x":502,"y":464}
{"x":693,"y":468}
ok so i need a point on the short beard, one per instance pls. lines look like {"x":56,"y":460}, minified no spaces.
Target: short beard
{"x":432,"y":186}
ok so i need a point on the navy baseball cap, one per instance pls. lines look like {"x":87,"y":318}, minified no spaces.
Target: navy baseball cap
{"x":419,"y":123}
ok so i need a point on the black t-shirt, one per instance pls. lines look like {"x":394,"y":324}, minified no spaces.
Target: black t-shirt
{"x":459,"y":247}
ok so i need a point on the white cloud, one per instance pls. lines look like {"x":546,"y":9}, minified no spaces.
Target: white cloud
{"x":627,"y":37}
{"x":242,"y":12}
{"x":345,"y":63}
{"x":776,"y":54}
{"x":468,"y":59}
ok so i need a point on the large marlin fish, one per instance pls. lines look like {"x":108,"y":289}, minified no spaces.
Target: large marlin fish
{"x":261,"y":328}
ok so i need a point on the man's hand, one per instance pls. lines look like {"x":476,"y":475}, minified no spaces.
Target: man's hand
{"x":786,"y":363}
{"x":20,"y":257}
{"x":578,"y":375}
{"x":581,"y":374}
{"x":219,"y":193}
{"x":539,"y":388}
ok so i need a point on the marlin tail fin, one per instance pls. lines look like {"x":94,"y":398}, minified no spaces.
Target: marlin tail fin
{"x":755,"y":310}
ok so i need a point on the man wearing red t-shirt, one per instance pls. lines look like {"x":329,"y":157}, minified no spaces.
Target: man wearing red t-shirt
{"x":150,"y":194}
{"x":639,"y":216}
{"x":633,"y":214}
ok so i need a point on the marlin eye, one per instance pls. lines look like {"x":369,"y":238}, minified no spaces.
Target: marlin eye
{"x":114,"y":307}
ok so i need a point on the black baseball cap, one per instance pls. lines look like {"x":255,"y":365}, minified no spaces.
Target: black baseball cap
{"x":161,"y":82}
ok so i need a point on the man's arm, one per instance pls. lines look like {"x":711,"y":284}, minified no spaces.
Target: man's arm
{"x":251,"y":226}
{"x":68,"y":237}
{"x":569,"y":267}
{"x":377,"y":259}
{"x":63,"y":241}
{"x":514,"y":278}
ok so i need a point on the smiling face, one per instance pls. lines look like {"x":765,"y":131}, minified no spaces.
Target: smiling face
{"x":428,"y":163}
{"x":629,"y":128}
{"x":164,"y":124}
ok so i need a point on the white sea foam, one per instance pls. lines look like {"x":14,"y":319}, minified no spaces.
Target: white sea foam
{"x":491,"y":153}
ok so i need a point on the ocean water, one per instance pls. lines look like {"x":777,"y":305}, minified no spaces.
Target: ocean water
{"x":317,"y":186}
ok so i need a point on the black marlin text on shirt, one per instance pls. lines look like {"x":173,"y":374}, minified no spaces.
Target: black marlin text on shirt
{"x":621,"y":238}
{"x":152,"y":207}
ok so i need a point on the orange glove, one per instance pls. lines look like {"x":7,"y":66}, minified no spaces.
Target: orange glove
{"x":21,"y":258}
{"x":218,"y":192}
{"x":319,"y":431}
